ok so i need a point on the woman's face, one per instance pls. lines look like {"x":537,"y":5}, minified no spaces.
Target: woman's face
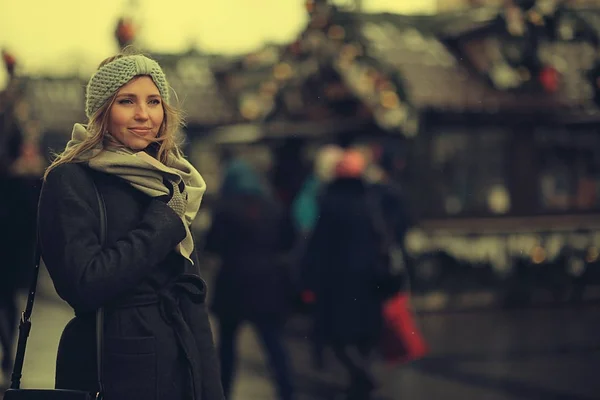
{"x":137,"y":113}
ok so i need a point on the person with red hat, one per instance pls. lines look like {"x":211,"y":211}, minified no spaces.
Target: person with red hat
{"x":339,"y":269}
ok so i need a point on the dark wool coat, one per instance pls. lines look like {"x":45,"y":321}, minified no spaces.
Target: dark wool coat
{"x":251,"y":233}
{"x":158,"y":342}
{"x":340,"y":266}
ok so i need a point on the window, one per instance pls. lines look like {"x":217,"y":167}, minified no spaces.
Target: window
{"x":569,"y":173}
{"x":469,"y":172}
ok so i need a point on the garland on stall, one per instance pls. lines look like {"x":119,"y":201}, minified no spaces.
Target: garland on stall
{"x":335,"y":36}
{"x":330,"y":41}
{"x":517,"y":61}
{"x":525,"y":26}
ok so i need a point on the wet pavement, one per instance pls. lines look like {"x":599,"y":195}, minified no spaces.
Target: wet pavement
{"x":546,"y":353}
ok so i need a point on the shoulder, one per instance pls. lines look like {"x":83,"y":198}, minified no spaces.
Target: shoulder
{"x":67,"y":191}
{"x":70,"y":174}
{"x":69,"y":180}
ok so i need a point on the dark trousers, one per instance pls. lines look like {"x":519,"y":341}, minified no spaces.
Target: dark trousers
{"x":355,"y":360}
{"x":270,"y":334}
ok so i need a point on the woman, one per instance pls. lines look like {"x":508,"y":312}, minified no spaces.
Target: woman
{"x":157,"y":337}
{"x":250,"y":233}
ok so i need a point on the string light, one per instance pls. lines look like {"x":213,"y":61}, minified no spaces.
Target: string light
{"x":536,"y":18}
{"x":549,"y":78}
{"x":250,"y":109}
{"x":336,"y":32}
{"x":389,"y":99}
{"x":282,"y":71}
{"x":269,"y":88}
{"x":310,"y":6}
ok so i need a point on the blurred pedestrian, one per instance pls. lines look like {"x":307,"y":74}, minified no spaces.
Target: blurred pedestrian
{"x":251,"y":234}
{"x":305,"y":212}
{"x":289,"y":170}
{"x":157,"y":337}
{"x":18,"y":210}
{"x":339,"y":267}
{"x":12,"y":252}
{"x":305,"y":207}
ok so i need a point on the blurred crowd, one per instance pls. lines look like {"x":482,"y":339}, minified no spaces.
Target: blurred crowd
{"x":313,"y":251}
{"x":318,"y":251}
{"x":287,"y":240}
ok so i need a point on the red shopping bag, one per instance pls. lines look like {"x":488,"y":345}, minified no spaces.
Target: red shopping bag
{"x":401,"y":340}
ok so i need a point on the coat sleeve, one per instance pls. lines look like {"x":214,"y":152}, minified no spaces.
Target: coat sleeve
{"x":86,"y":274}
{"x":317,"y":249}
{"x":288,"y":234}
{"x":214,"y":240}
{"x":396,"y":210}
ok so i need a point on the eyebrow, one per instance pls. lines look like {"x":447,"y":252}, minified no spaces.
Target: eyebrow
{"x":134,"y":95}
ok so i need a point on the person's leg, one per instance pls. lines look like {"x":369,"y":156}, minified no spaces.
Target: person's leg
{"x":271,"y":337}
{"x":227,"y":353}
{"x":356,"y":362}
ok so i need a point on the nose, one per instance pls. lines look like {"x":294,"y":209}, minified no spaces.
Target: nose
{"x":141,"y":112}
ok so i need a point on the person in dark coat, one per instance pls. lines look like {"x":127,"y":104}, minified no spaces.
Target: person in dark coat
{"x":14,"y":214}
{"x":157,"y":336}
{"x":340,"y":268}
{"x":251,"y":234}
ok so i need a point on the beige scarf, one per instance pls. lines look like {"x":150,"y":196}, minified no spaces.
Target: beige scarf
{"x":145,"y":173}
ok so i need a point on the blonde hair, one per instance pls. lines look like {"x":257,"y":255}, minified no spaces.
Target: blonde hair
{"x":97,"y":127}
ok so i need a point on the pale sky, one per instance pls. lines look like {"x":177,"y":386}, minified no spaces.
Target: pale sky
{"x":61,"y":36}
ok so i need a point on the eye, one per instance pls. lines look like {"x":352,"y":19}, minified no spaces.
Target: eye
{"x":155,"y":101}
{"x":125,"y":101}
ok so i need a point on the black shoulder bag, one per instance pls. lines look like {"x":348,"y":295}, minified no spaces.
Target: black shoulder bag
{"x":14,"y":392}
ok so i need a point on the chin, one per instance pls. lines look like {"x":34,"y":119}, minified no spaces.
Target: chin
{"x":139,"y":145}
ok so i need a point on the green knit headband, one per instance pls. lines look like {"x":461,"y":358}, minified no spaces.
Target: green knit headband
{"x":110,"y":77}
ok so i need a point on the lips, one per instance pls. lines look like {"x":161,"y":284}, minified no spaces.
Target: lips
{"x":141,"y":131}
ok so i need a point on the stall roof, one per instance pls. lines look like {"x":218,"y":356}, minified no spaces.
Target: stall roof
{"x":191,"y":76}
{"x":439,"y":63}
{"x":437,"y":60}
{"x":58,"y":102}
{"x":443,"y":77}
{"x":55,"y":103}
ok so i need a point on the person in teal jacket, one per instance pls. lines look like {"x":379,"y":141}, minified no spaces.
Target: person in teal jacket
{"x":305,"y":209}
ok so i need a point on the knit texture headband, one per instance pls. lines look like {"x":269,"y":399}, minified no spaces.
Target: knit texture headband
{"x":110,"y":77}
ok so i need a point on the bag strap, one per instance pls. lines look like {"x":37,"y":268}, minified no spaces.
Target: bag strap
{"x":100,"y":311}
{"x":25,"y":322}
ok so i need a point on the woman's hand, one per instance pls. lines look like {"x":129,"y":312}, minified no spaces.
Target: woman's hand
{"x":178,"y":197}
